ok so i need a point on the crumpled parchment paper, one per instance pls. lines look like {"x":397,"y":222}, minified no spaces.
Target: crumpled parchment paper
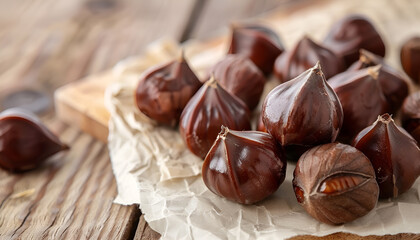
{"x":153,"y":168}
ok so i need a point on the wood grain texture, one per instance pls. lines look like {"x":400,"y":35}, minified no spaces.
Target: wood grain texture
{"x":71,"y":195}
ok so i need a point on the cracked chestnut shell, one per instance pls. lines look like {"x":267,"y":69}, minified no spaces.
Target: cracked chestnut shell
{"x":304,"y":111}
{"x":394,"y":85}
{"x":410,"y":58}
{"x":394,"y":154}
{"x":239,"y":76}
{"x":361,"y":97}
{"x":163,"y":91}
{"x":25,"y":141}
{"x":410,"y":115}
{"x":209,"y":109}
{"x":258,"y":43}
{"x":305,"y":54}
{"x":335,"y":183}
{"x":244,"y":166}
{"x":351,"y":34}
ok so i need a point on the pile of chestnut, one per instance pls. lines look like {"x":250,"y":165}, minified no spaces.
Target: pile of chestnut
{"x":332,"y":113}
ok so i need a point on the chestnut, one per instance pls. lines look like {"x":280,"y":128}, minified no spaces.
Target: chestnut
{"x":25,"y":141}
{"x":335,"y":183}
{"x":239,"y":76}
{"x":260,"y":124}
{"x":244,"y":166}
{"x":351,"y":34}
{"x":394,"y":85}
{"x":209,"y":109}
{"x":164,"y":90}
{"x":394,"y":154}
{"x":304,"y":111}
{"x":410,"y":58}
{"x":410,"y":112}
{"x":258,"y":43}
{"x":361,"y":97}
{"x":305,"y":54}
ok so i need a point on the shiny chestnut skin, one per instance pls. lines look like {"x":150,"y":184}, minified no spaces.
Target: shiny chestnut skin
{"x":394,"y":154}
{"x":258,"y":43}
{"x":304,"y":111}
{"x":410,"y":115}
{"x":305,"y":54}
{"x":25,"y":141}
{"x":362,"y":99}
{"x":410,"y":58}
{"x":351,"y":34}
{"x":394,"y":85}
{"x":335,"y":183}
{"x":164,"y":90}
{"x":244,"y":166}
{"x":209,"y":109}
{"x":239,"y":76}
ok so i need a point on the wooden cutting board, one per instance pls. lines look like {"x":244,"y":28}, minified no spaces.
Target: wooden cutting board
{"x":81,"y":103}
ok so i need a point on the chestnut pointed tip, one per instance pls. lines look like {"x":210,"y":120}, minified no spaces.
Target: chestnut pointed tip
{"x":374,"y":71}
{"x":211,"y":82}
{"x":386,"y":118}
{"x":181,"y":56}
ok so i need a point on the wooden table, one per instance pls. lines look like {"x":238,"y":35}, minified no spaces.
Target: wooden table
{"x":48,"y":43}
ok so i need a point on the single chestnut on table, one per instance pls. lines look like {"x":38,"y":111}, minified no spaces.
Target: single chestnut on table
{"x":258,"y":43}
{"x":351,"y":34}
{"x":303,"y":112}
{"x":335,"y":183}
{"x":410,"y":58}
{"x":244,"y":166}
{"x":305,"y":54}
{"x":241,"y":77}
{"x":394,"y":154}
{"x":394,"y":85}
{"x":163,"y":91}
{"x":410,"y":115}
{"x":25,"y":141}
{"x":361,"y":97}
{"x":209,"y":109}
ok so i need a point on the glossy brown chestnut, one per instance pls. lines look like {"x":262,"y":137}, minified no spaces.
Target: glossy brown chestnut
{"x":163,"y":91}
{"x":335,"y":183}
{"x":351,"y":34}
{"x":244,"y":166}
{"x":394,"y":85}
{"x":209,"y":109}
{"x":394,"y":154}
{"x":239,"y":76}
{"x":305,"y":54}
{"x":361,"y":97}
{"x":410,"y":58}
{"x":410,"y":112}
{"x":258,"y":43}
{"x":25,"y":141}
{"x":304,"y":111}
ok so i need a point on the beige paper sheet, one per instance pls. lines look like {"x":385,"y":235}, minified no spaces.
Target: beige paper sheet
{"x":153,"y":168}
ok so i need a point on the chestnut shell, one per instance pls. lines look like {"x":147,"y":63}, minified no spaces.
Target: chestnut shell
{"x":239,"y":76}
{"x":163,"y":91}
{"x":394,"y":84}
{"x":410,"y":58}
{"x":351,"y":34}
{"x":209,"y":109}
{"x":335,"y":183}
{"x":244,"y":166}
{"x":362,"y":99}
{"x":303,"y":111}
{"x":305,"y":54}
{"x":258,"y":43}
{"x":25,"y":141}
{"x":394,"y":154}
{"x":410,"y":115}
